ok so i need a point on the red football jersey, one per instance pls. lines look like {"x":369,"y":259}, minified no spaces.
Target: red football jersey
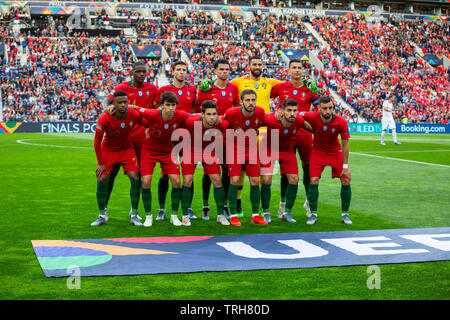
{"x":160,"y":131}
{"x":326,"y":134}
{"x":302,"y":95}
{"x":237,"y":120}
{"x":186,"y":97}
{"x":224,"y":98}
{"x":117,"y":132}
{"x":285,"y":133}
{"x":189,"y":124}
{"x":141,"y":97}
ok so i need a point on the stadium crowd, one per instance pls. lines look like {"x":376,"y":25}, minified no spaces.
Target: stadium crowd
{"x":69,"y":76}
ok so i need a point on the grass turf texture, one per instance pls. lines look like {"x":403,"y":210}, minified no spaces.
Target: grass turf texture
{"x":49,"y":193}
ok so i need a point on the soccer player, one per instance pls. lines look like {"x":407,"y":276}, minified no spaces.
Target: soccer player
{"x":158,"y":148}
{"x":186,"y":94}
{"x":116,"y":150}
{"x":245,"y":121}
{"x":263,"y":87}
{"x":141,"y":94}
{"x":304,"y":91}
{"x":203,"y":127}
{"x":225,"y":95}
{"x":290,"y":122}
{"x":327,"y":151}
{"x":387,"y":119}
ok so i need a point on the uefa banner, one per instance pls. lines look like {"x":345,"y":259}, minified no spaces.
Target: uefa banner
{"x":48,"y":127}
{"x":422,"y":128}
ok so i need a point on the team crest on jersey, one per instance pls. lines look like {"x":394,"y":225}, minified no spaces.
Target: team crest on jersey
{"x":131,"y":123}
{"x":148,"y":93}
{"x":294,"y":131}
{"x":224,"y":93}
{"x":294,"y":92}
{"x":180,"y":93}
{"x":247,"y":122}
{"x":142,"y":109}
{"x":174,"y":125}
{"x":325,"y":128}
{"x":166,"y":126}
{"x":303,"y":94}
{"x":188,"y":93}
{"x":333,"y":130}
{"x":264,"y":85}
{"x":286,"y":131}
{"x":256,"y":121}
{"x":256,"y":85}
{"x":140,"y":93}
{"x":122,"y":125}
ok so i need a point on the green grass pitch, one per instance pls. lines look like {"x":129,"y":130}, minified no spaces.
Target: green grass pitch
{"x":48,"y":192}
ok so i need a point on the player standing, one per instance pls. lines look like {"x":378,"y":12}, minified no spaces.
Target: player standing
{"x":225,"y":95}
{"x":327,"y":151}
{"x":304,"y":91}
{"x":141,"y":94}
{"x":186,"y":94}
{"x":263,"y":87}
{"x":387,"y":119}
{"x":245,"y":121}
{"x":116,"y":150}
{"x":158,"y":148}
{"x":290,"y":122}
{"x":204,"y":127}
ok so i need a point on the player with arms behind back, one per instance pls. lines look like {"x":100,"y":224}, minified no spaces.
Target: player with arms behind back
{"x":387,"y":119}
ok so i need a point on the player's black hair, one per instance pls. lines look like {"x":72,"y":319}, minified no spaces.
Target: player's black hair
{"x":246,"y":92}
{"x":295,"y":60}
{"x":253,"y":58}
{"x":208,"y":104}
{"x":168,"y":96}
{"x":119,"y":93}
{"x":325,"y":99}
{"x":177,"y":63}
{"x":139,"y":63}
{"x":289,"y":103}
{"x":220,"y":61}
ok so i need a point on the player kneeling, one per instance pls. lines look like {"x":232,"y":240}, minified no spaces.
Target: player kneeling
{"x":201,"y":129}
{"x":116,"y":149}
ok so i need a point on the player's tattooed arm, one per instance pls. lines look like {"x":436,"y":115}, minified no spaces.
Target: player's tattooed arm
{"x":307,"y":126}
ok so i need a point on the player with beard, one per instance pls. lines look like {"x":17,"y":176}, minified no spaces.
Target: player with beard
{"x":304,"y":91}
{"x":327,"y":151}
{"x":263,"y":88}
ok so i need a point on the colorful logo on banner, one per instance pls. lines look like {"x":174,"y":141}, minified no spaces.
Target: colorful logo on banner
{"x":102,"y":5}
{"x":234,"y":9}
{"x":58,"y":10}
{"x":13,"y":3}
{"x":301,"y":54}
{"x":147,"y":51}
{"x":9,"y":127}
{"x":435,"y":18}
{"x":133,"y":256}
{"x":433,"y":59}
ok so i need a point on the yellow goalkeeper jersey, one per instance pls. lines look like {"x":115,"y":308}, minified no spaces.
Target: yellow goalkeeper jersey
{"x":262,"y":87}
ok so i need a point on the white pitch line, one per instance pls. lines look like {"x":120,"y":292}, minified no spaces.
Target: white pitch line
{"x":403,"y":160}
{"x":401,"y":151}
{"x":49,"y":145}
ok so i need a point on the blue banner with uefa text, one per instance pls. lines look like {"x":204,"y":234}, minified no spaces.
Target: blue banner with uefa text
{"x":152,"y":255}
{"x":422,"y":128}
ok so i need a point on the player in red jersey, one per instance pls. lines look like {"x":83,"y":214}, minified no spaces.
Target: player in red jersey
{"x":202,"y":128}
{"x":327,"y":151}
{"x":158,"y":149}
{"x":296,"y":88}
{"x":141,"y":94}
{"x":244,"y":121}
{"x":116,"y":149}
{"x":225,"y":95}
{"x":186,"y":94}
{"x":285,"y":128}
